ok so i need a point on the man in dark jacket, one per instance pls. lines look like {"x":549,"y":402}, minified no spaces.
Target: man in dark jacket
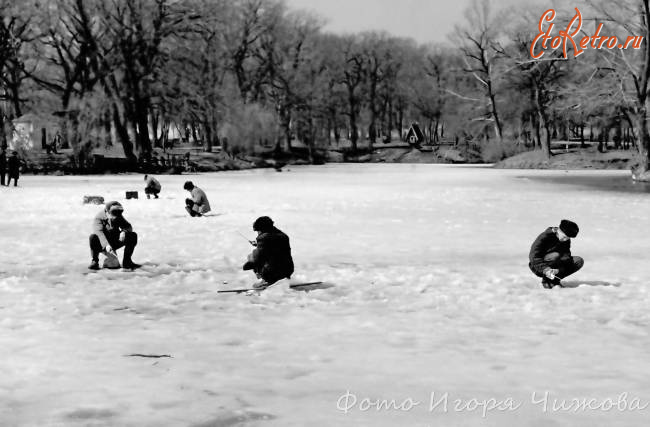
{"x":111,"y":231}
{"x":271,"y":259}
{"x":3,"y":166}
{"x":13,"y":164}
{"x":550,"y":255}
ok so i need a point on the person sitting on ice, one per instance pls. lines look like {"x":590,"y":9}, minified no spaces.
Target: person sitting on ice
{"x":198,"y":205}
{"x":111,"y":231}
{"x":271,"y":259}
{"x":151,"y":186}
{"x":550,"y":255}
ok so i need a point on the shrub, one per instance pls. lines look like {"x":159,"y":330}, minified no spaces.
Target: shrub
{"x":246,"y":126}
{"x":495,"y":151}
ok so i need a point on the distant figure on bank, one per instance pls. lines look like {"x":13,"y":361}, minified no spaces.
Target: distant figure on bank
{"x":550,"y":255}
{"x":151,"y":186}
{"x":111,"y":231}
{"x":13,"y":164}
{"x":198,"y":204}
{"x":271,"y":259}
{"x":3,"y":166}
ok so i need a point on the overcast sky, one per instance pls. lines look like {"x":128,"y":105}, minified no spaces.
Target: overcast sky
{"x":423,"y":20}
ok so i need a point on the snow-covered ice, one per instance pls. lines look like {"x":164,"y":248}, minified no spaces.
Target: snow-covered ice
{"x":431,"y":294}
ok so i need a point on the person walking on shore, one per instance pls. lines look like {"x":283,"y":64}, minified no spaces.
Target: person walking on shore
{"x":13,"y":164}
{"x":3,"y":166}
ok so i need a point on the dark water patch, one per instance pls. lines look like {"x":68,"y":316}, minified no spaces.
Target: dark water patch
{"x":91,"y":413}
{"x":621,"y":184}
{"x":232,"y":420}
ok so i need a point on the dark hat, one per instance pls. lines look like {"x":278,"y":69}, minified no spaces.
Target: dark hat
{"x":263,"y":223}
{"x":569,"y":228}
{"x":188,"y":185}
{"x":114,"y":207}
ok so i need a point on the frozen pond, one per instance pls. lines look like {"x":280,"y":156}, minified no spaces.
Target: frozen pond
{"x":431,"y":303}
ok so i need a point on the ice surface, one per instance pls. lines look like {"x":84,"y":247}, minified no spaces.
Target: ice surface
{"x":432,"y":294}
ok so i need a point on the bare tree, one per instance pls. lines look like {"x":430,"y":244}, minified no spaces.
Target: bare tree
{"x":352,"y":79}
{"x":630,"y":69}
{"x":476,"y":40}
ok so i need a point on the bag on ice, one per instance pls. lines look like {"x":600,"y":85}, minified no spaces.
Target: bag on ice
{"x":111,"y":261}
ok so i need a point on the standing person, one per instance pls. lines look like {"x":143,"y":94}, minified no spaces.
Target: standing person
{"x":3,"y":166}
{"x":151,"y":186}
{"x":198,"y":204}
{"x":271,"y":259}
{"x":550,"y":254}
{"x":13,"y":164}
{"x":111,"y":231}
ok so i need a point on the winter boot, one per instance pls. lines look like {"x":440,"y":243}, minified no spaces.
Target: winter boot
{"x":130,"y":265}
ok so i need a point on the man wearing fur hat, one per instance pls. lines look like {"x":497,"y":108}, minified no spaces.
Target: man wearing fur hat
{"x":271,"y":259}
{"x":111,"y":231}
{"x":550,"y":255}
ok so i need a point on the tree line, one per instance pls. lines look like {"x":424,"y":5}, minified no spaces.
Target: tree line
{"x":245,"y":73}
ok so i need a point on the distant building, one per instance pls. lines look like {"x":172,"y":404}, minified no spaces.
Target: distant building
{"x":34,"y":131}
{"x":414,"y":136}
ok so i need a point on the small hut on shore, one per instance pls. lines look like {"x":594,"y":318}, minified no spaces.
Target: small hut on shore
{"x":34,"y":131}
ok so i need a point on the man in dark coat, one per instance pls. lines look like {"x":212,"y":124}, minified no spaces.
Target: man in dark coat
{"x":3,"y":166}
{"x":271,"y":259}
{"x":550,"y":255}
{"x":13,"y":164}
{"x":111,"y":231}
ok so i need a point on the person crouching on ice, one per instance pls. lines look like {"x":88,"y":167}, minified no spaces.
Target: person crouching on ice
{"x":198,"y":204}
{"x":151,"y":186}
{"x":111,"y":231}
{"x":271,"y":259}
{"x":550,"y":255}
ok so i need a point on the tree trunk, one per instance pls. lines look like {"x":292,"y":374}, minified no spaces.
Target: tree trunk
{"x":207,"y":130}
{"x":497,"y":122}
{"x":154,"y":127}
{"x":123,"y":135}
{"x":536,"y":128}
{"x":354,"y":133}
{"x":641,"y":171}
{"x":543,"y":119}
{"x":389,"y":135}
{"x":400,"y":121}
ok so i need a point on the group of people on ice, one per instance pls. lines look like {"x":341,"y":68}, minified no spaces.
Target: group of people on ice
{"x":271,"y":258}
{"x":549,"y":258}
